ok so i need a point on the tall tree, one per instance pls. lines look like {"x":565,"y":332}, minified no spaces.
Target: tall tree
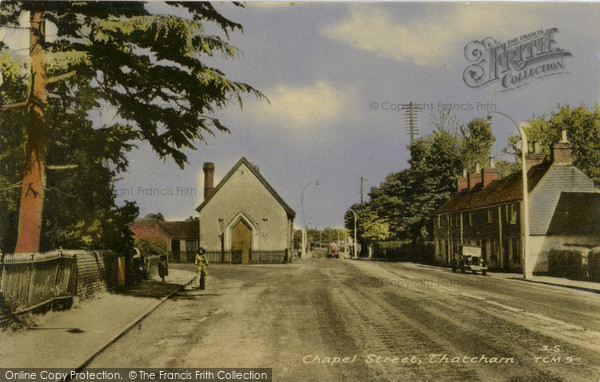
{"x":148,"y":68}
{"x":402,"y":206}
{"x":477,"y":141}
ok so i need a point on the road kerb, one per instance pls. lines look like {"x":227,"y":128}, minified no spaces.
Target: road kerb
{"x":131,"y":325}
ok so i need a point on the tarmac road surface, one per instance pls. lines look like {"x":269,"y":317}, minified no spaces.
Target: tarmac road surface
{"x":343,"y":320}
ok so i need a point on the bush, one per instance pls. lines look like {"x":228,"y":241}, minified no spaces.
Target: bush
{"x":594,"y":264}
{"x":151,"y":247}
{"x":421,"y":252}
{"x":568,"y":262}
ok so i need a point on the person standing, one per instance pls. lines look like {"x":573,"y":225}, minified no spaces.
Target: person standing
{"x":202,"y":266}
{"x":163,"y":267}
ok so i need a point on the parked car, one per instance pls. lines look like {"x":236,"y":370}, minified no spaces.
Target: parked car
{"x":469,"y":259}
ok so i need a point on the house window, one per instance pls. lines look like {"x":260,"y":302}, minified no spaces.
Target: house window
{"x":470,"y":218}
{"x":265,"y":230}
{"x":489,"y":213}
{"x":513,"y":214}
{"x":516,"y":250}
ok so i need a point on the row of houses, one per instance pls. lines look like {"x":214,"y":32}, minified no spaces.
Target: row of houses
{"x":241,"y":220}
{"x":564,"y":211}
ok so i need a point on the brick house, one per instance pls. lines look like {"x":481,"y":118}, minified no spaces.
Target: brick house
{"x":180,"y":238}
{"x":243,"y":219}
{"x":486,"y":211}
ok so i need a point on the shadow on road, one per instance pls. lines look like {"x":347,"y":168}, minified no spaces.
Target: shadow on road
{"x":149,"y":288}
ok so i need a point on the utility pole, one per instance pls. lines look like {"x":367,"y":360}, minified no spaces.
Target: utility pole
{"x":362,"y":181}
{"x":410,"y":117}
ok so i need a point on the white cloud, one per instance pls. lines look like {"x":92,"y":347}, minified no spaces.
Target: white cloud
{"x":318,"y":105}
{"x":436,"y":35}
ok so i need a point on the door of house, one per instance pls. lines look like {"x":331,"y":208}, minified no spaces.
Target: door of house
{"x":176,"y":250}
{"x":241,"y":240}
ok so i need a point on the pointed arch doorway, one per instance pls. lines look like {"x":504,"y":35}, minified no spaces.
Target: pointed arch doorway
{"x":241,"y":241}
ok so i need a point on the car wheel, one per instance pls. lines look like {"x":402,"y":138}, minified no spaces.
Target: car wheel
{"x":483,"y":273}
{"x":453,"y":270}
{"x":462,"y":270}
{"x":474,"y":272}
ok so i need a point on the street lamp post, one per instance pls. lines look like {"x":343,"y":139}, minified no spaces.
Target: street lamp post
{"x":355,"y":218}
{"x":527,"y":271}
{"x":303,"y":222}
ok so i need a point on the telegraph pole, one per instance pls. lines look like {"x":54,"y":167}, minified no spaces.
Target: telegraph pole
{"x":410,"y":117}
{"x":362,"y":181}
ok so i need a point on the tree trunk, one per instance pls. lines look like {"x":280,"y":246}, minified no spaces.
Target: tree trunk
{"x":34,"y":178}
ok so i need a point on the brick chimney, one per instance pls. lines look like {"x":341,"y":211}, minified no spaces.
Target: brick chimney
{"x":562,"y":151}
{"x":209,"y":175}
{"x":489,"y":174}
{"x":463,"y":182}
{"x":536,"y":157}
{"x":475,"y":177}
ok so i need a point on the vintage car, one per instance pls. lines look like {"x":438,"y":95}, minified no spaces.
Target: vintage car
{"x":469,"y":259}
{"x":332,"y":251}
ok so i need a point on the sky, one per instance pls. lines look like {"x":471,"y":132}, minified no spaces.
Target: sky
{"x":335,"y":75}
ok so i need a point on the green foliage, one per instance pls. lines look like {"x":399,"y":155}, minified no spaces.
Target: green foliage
{"x":476,"y":143}
{"x":150,"y":247}
{"x":402,"y":206}
{"x":583,"y":131}
{"x":149,"y":70}
{"x":155,"y":216}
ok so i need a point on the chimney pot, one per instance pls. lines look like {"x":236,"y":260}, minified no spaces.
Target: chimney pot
{"x":492,"y":162}
{"x":564,"y":136}
{"x":465,"y":172}
{"x":477,"y":167}
{"x":536,"y":147}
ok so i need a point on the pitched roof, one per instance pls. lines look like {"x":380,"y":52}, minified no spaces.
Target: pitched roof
{"x":188,"y":229}
{"x":505,"y":190}
{"x":264,"y":182}
{"x":146,"y":228}
{"x":577,"y":213}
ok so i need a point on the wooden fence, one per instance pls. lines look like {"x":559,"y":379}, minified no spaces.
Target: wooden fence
{"x":33,"y":279}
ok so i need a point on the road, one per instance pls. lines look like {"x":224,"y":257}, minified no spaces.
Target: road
{"x":387,"y":321}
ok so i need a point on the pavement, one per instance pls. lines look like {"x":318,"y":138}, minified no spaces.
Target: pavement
{"x":72,"y":338}
{"x":589,"y":286}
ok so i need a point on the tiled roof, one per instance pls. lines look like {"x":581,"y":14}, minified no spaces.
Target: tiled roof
{"x":506,"y":190}
{"x":149,"y":228}
{"x":188,"y":229}
{"x":577,"y":213}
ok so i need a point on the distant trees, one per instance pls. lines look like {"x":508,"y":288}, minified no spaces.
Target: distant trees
{"x":155,"y":216}
{"x":325,"y":236}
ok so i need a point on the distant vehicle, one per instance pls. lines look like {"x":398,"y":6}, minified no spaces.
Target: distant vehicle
{"x":332,"y":251}
{"x":469,"y":259}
